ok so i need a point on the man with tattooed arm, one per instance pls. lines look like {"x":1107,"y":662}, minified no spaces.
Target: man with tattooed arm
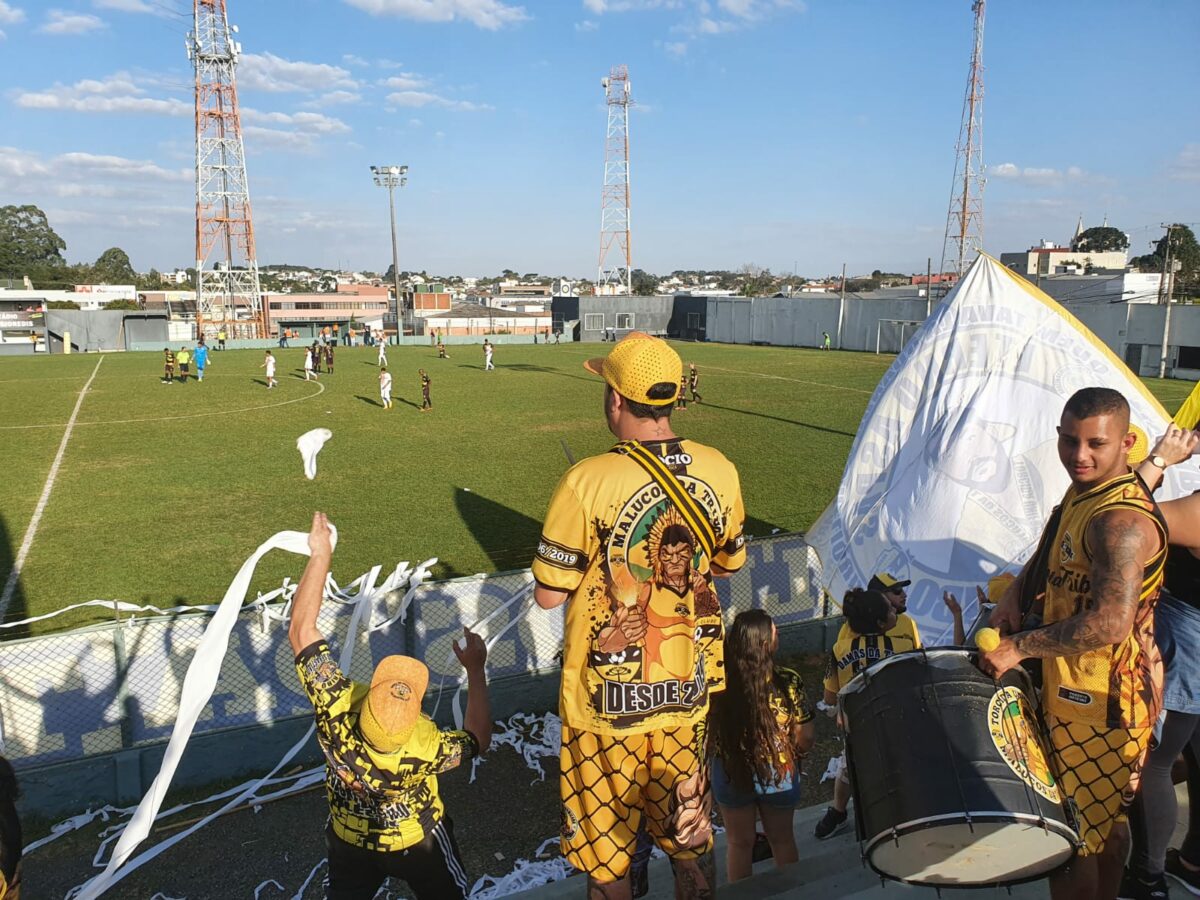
{"x":1102,"y":555}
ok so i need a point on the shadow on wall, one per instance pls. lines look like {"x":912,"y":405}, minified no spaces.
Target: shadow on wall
{"x":505,"y":535}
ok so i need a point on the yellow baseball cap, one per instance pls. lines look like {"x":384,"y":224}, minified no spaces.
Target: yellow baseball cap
{"x":637,"y":363}
{"x":393,"y":704}
{"x":1141,"y":445}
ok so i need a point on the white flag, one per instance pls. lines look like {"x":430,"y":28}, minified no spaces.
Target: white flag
{"x":955,"y":468}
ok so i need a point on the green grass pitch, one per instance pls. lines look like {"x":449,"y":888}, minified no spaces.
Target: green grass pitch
{"x":164,"y":490}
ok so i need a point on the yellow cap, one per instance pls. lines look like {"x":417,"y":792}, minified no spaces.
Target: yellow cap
{"x":636,"y":364}
{"x":393,"y":705}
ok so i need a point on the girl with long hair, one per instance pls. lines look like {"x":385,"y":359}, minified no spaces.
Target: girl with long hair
{"x":761,"y":726}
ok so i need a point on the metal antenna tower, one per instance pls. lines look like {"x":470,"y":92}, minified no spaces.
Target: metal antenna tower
{"x":615,"y":275}
{"x":227,"y":287}
{"x":964,"y":221}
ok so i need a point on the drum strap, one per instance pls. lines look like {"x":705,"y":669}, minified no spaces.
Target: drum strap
{"x":696,"y":518}
{"x":1035,"y":582}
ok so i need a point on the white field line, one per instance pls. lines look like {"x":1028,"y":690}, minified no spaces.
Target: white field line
{"x":18,"y":563}
{"x":220,"y":412}
{"x":837,"y":387}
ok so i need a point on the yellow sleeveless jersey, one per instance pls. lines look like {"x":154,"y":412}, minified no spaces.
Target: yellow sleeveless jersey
{"x":853,"y":652}
{"x":1120,"y":685}
{"x":643,"y":642}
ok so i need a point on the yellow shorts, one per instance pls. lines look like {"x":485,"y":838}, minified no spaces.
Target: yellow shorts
{"x":610,"y":783}
{"x":1099,"y":770}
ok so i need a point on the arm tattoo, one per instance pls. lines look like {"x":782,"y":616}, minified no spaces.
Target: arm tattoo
{"x":1123,"y":544}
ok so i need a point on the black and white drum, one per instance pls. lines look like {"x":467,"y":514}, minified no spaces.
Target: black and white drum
{"x":951,"y":778}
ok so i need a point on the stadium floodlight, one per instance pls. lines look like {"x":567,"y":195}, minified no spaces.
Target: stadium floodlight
{"x":392,"y":177}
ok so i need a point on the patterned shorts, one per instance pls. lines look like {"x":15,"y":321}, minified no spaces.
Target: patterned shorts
{"x":1099,"y":769}
{"x":610,"y":783}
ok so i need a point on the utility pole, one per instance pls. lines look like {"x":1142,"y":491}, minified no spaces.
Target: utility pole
{"x":226,"y":261}
{"x":842,"y":307}
{"x":392,"y":177}
{"x":1168,"y":289}
{"x":615,"y":275}
{"x":964,"y":221}
{"x":928,"y":286}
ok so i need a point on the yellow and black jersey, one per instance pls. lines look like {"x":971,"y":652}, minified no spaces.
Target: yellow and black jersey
{"x":789,"y":703}
{"x":377,"y":801}
{"x":853,"y":652}
{"x":1119,"y":685}
{"x":643,"y":637}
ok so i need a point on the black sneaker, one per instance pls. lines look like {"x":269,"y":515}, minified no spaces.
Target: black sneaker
{"x":831,"y":823}
{"x":1189,"y":878}
{"x":1137,"y":886}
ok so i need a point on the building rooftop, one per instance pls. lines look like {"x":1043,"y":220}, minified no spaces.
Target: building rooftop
{"x":476,"y":311}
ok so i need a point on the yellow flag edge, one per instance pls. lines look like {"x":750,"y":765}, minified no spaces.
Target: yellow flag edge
{"x":1054,"y":306}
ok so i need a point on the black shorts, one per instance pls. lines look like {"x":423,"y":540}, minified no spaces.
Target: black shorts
{"x":183,"y":367}
{"x":432,"y":869}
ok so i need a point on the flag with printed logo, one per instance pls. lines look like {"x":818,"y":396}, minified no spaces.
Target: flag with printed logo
{"x":955,"y":468}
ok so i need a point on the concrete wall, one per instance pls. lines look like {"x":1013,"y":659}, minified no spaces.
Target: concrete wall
{"x":650,"y":314}
{"x":800,"y":321}
{"x":96,"y":330}
{"x":122,"y":778}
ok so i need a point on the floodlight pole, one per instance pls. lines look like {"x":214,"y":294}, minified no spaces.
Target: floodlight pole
{"x":392,"y":177}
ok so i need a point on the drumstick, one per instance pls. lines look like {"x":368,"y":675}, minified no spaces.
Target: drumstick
{"x":567,"y":450}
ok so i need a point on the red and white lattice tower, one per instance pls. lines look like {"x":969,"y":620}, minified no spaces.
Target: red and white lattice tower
{"x":964,"y":221}
{"x":227,"y":287}
{"x":615,"y":272}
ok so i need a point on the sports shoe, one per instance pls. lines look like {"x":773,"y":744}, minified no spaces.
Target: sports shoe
{"x":1189,"y":878}
{"x":831,"y":823}
{"x":1137,"y":886}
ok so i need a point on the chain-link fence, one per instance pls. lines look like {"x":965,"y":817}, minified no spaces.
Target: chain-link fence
{"x":112,"y":687}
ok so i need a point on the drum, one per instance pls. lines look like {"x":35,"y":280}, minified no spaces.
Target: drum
{"x":951,"y":778}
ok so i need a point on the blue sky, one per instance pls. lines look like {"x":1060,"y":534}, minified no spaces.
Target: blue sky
{"x":775,"y":132}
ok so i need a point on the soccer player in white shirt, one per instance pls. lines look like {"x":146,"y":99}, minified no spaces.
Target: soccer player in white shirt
{"x":269,"y":365}
{"x":385,"y":387}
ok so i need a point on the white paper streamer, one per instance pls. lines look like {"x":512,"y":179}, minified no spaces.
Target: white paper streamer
{"x":198,"y":686}
{"x":309,"y":444}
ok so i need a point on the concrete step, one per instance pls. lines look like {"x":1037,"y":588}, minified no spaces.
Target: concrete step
{"x":827,"y":869}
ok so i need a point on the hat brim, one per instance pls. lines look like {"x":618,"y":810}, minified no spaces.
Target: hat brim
{"x":900,"y":584}
{"x":595,"y":365}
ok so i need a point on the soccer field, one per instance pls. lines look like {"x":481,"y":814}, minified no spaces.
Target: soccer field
{"x":164,"y":490}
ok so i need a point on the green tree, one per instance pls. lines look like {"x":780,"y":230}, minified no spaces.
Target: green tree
{"x":122,"y":304}
{"x":642,"y":283}
{"x":62,"y":304}
{"x":113,"y":267}
{"x":1184,"y":249}
{"x":27,"y":242}
{"x":1100,"y":240}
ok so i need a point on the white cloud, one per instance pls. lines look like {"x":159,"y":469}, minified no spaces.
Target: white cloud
{"x":600,"y":7}
{"x":333,"y":98}
{"x":586,"y":25}
{"x":77,"y":175}
{"x":118,"y":93}
{"x":404,"y":82}
{"x":415,"y":123}
{"x":131,"y":6}
{"x":59,"y":22}
{"x":418,"y":99}
{"x":1186,"y":166}
{"x":676,"y":48}
{"x":307,"y":122}
{"x":489,"y":14}
{"x":759,"y":9}
{"x":10,"y":15}
{"x":351,"y":59}
{"x":1041,"y":176}
{"x":268,"y":72}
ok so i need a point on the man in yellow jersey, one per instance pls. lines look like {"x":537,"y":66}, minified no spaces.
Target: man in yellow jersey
{"x":1102,"y":675}
{"x":633,"y":539}
{"x":383,"y":756}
